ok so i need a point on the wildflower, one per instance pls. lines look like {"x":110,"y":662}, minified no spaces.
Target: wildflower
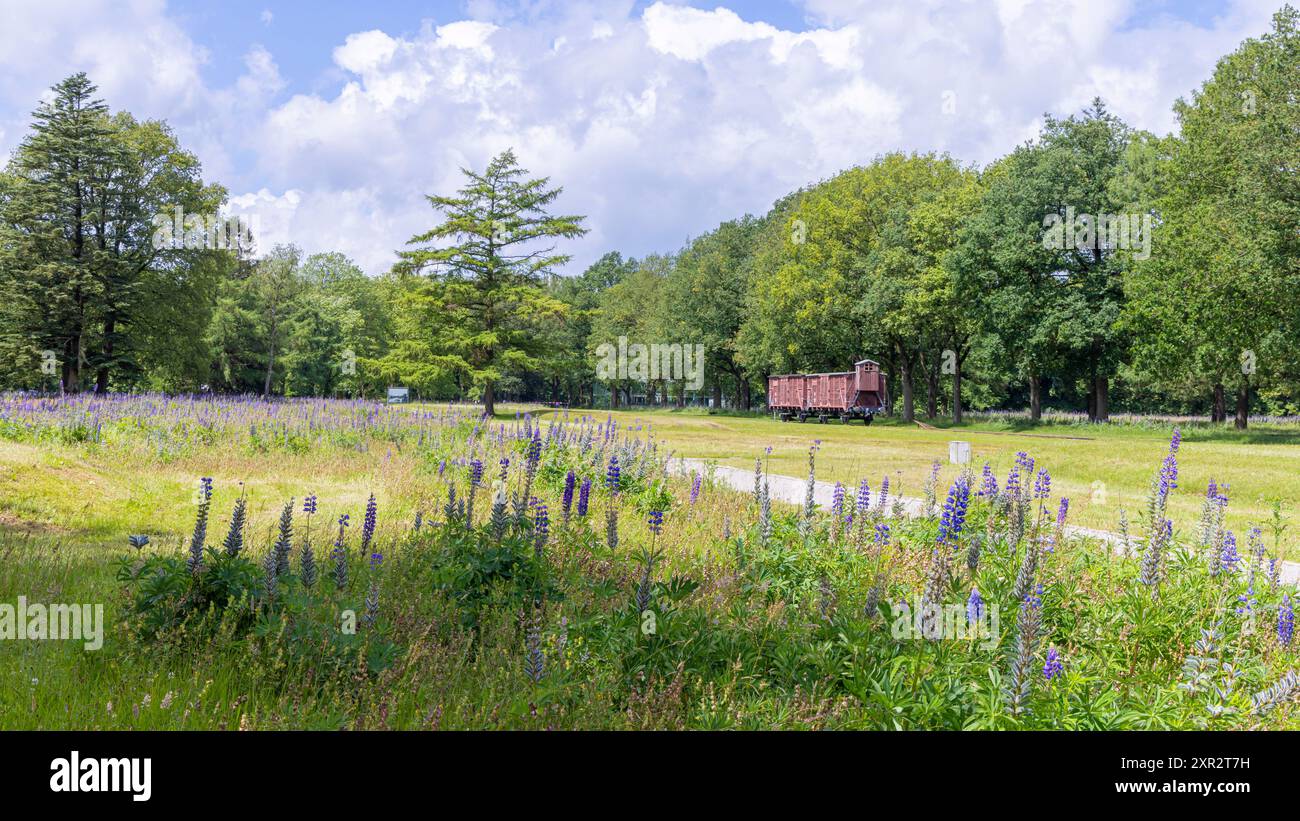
{"x":884,"y":495}
{"x":1011,"y":489}
{"x":936,"y":583}
{"x":656,"y":522}
{"x":864,"y":496}
{"x":569,"y":481}
{"x":309,"y":504}
{"x":974,"y":607}
{"x":837,"y":502}
{"x":234,"y":541}
{"x":1150,"y":574}
{"x":989,"y":487}
{"x":372,"y":597}
{"x":611,"y":523}
{"x":1027,"y":624}
{"x":1229,"y":557}
{"x":270,"y":574}
{"x":954,"y":513}
{"x":1279,"y":692}
{"x":882,"y":534}
{"x":1053,"y":667}
{"x":475,"y":479}
{"x":584,"y":495}
{"x":199,"y":540}
{"x":541,"y":527}
{"x":1042,"y":484}
{"x":534,"y":664}
{"x":1285,"y":621}
{"x":307,"y":565}
{"x":1062,"y":511}
{"x":695,"y":487}
{"x":612,"y":475}
{"x":284,"y":541}
{"x":368,"y":524}
{"x":340,"y":556}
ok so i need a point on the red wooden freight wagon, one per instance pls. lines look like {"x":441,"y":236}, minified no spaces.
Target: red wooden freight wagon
{"x":849,"y":395}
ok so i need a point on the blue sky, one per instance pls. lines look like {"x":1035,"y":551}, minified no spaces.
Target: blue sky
{"x":328,"y":122}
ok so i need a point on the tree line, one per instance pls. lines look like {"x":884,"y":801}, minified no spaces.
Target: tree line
{"x":1096,"y":266}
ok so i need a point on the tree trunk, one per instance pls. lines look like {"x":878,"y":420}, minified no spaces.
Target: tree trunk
{"x":72,"y":365}
{"x":1103,"y":399}
{"x":744,"y":394}
{"x":956,"y":394}
{"x":1243,"y":405}
{"x":1035,"y":398}
{"x":909,"y":409}
{"x":717,"y":394}
{"x":931,"y":392}
{"x":1219,"y":410}
{"x":101,"y":377}
{"x":489,"y":399}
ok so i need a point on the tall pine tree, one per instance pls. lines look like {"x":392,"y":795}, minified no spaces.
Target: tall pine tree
{"x":491,"y":278}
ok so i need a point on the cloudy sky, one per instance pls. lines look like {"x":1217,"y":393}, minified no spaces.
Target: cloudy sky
{"x":331,"y":120}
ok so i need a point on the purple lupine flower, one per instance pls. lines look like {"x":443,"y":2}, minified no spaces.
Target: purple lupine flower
{"x":505,"y":469}
{"x":1012,"y":486}
{"x":584,"y":495}
{"x":1053,"y":667}
{"x":989,"y":488}
{"x":656,"y":521}
{"x":376,"y":559}
{"x":837,"y":502}
{"x":340,"y":556}
{"x":884,"y":494}
{"x":442,"y":467}
{"x":882,"y":534}
{"x":953,"y":518}
{"x":1042,"y":484}
{"x":368,"y":524}
{"x":541,"y":520}
{"x":475,"y":472}
{"x":1285,"y":621}
{"x":309,"y":504}
{"x":974,"y":607}
{"x":1062,"y":511}
{"x":695,"y":487}
{"x":612,"y":475}
{"x":569,"y":481}
{"x":864,"y":496}
{"x":1229,"y":557}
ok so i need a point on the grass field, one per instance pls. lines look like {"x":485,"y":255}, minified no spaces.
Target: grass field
{"x":1101,"y":468}
{"x":779,"y":619}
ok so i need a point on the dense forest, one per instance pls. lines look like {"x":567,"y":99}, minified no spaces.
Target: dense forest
{"x":1096,"y":267}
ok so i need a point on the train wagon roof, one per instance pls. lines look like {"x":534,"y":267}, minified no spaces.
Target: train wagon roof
{"x":832,"y":373}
